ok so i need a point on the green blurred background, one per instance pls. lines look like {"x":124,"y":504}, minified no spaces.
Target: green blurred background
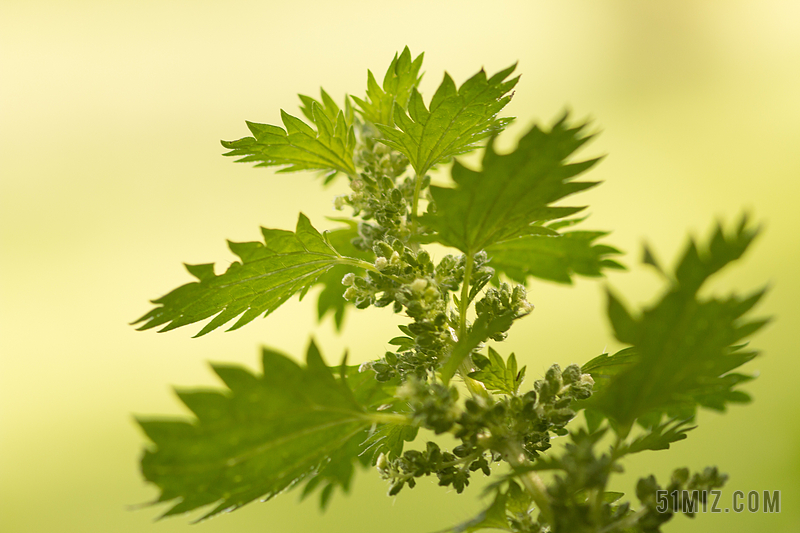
{"x":110,"y":116}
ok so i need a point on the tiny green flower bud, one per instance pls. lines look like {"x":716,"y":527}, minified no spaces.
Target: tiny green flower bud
{"x":381,"y":263}
{"x":350,"y":293}
{"x":382,"y":463}
{"x":348,"y":279}
{"x":419,"y":285}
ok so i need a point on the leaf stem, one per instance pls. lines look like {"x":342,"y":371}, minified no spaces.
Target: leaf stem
{"x":389,"y":418}
{"x":463,"y":303}
{"x":476,"y":388}
{"x":415,"y":200}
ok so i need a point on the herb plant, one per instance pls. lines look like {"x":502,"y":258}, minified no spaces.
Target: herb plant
{"x":313,"y":425}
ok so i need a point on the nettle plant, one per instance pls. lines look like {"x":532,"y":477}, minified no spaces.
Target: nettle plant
{"x":314,"y":424}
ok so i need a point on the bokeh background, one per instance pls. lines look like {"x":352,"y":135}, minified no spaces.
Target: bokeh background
{"x":111,"y":176}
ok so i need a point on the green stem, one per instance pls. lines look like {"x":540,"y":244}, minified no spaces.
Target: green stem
{"x":463,"y":303}
{"x":530,"y":480}
{"x":415,"y":201}
{"x":476,"y":388}
{"x":389,"y":418}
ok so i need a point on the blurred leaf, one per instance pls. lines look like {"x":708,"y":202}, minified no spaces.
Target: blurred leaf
{"x":686,"y":346}
{"x":267,"y":276}
{"x":496,"y":375}
{"x":388,"y":439}
{"x":260,"y":436}
{"x":604,"y":367}
{"x":659,"y":437}
{"x":493,"y":517}
{"x":553,"y":258}
{"x":511,"y":192}
{"x":456,"y":121}
{"x":400,"y":79}
{"x":301,"y":147}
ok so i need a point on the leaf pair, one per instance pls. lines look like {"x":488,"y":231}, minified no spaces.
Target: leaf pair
{"x":266,"y":276}
{"x":455,"y":121}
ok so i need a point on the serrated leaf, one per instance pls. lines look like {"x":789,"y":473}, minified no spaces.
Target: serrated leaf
{"x":388,"y":439}
{"x":496,"y":375}
{"x":686,"y":346}
{"x":266,"y":275}
{"x":493,"y":517}
{"x":257,"y":438}
{"x":401,"y":77}
{"x":604,"y":367}
{"x":338,"y":469}
{"x":659,"y":437}
{"x":512,"y":192}
{"x":553,"y":258}
{"x":299,"y":146}
{"x":455,"y":122}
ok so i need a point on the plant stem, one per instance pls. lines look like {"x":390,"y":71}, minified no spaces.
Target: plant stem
{"x":415,"y":201}
{"x":463,"y":303}
{"x":475,"y":388}
{"x":530,"y":480}
{"x":389,"y":418}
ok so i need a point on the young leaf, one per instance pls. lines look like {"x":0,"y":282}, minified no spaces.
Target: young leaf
{"x":553,"y":258}
{"x":512,"y":191}
{"x":267,"y":275}
{"x":400,"y":79}
{"x":496,"y":375}
{"x":686,"y":347}
{"x":456,"y":121}
{"x":259,"y":437}
{"x":300,"y":147}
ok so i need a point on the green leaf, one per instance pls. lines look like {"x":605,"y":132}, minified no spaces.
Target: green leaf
{"x":266,"y":276}
{"x":553,"y":258}
{"x":455,"y":122}
{"x":604,"y":367}
{"x":299,"y":146}
{"x":659,"y":437}
{"x":496,"y":375}
{"x":257,"y":438}
{"x":686,"y":346}
{"x":512,"y":191}
{"x":400,"y":79}
{"x":493,"y":517}
{"x":389,"y":439}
